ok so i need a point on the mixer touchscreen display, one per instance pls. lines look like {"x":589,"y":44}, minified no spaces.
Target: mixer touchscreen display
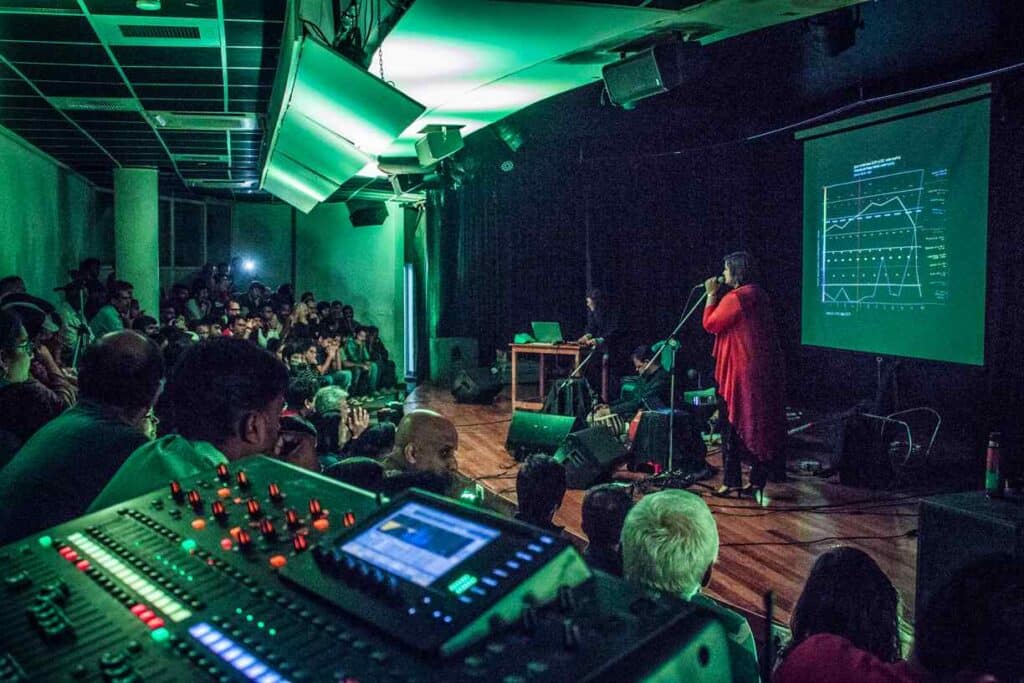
{"x":420,"y":543}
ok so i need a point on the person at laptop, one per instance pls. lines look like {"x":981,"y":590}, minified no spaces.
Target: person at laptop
{"x":601,"y":324}
{"x":600,"y":335}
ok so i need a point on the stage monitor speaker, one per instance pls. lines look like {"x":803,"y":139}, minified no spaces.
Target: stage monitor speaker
{"x":536,"y":433}
{"x":364,"y":213}
{"x":478,"y":385}
{"x":651,"y":443}
{"x":653,"y":71}
{"x":589,"y":455}
{"x":956,"y":529}
{"x":438,"y":144}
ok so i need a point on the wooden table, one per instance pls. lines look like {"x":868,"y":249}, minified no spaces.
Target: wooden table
{"x":544,"y":350}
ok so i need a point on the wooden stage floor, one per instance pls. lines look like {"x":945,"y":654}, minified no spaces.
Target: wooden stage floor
{"x":769,"y":547}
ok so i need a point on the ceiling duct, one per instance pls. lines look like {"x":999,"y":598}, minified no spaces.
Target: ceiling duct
{"x":95,"y":103}
{"x":170,"y":120}
{"x":328,"y":118}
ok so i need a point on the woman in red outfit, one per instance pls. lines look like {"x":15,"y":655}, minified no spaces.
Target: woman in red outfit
{"x":748,"y":371}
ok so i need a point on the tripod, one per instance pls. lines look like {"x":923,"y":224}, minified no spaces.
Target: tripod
{"x":671,"y":343}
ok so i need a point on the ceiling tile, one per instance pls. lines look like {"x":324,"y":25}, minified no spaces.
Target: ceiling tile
{"x":251,"y":76}
{"x":270,"y":10}
{"x":192,"y":75}
{"x":15,"y":86}
{"x":67,"y":72}
{"x":256,"y":106}
{"x":44,"y":5}
{"x":193,"y":9}
{"x":167,"y":56}
{"x":252,"y":58}
{"x":82,"y":89}
{"x":180,"y":92}
{"x":55,"y":53}
{"x":173,"y":104}
{"x":49,"y":27}
{"x":253,"y":33}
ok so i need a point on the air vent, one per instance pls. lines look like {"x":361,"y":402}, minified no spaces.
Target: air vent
{"x":201,"y":158}
{"x":172,"y":32}
{"x":170,"y":120}
{"x":156,"y":31}
{"x":211,"y":184}
{"x":95,"y":103}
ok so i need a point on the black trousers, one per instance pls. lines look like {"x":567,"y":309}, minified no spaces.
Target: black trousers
{"x":734,"y":452}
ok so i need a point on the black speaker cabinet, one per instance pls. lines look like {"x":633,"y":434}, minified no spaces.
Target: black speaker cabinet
{"x":588,"y":455}
{"x":958,"y":528}
{"x":366,"y":213}
{"x":478,"y":385}
{"x":536,"y":433}
{"x":651,"y":443}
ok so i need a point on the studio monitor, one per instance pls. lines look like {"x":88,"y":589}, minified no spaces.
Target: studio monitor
{"x":478,"y":385}
{"x":438,"y":144}
{"x":588,"y":455}
{"x":536,"y":433}
{"x":653,"y":71}
{"x":364,"y":213}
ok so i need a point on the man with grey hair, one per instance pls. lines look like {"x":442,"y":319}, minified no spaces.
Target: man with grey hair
{"x":670,"y":543}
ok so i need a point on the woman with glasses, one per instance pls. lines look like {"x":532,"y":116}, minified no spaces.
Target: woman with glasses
{"x":25,"y":404}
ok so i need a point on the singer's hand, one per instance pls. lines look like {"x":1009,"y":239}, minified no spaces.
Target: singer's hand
{"x":711,"y":285}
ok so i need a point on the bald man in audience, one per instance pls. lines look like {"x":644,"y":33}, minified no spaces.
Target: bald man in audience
{"x":425,"y":451}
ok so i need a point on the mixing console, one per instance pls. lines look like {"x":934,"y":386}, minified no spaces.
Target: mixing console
{"x":264,"y":572}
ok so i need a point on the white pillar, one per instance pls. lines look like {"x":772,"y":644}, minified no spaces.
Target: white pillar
{"x":137,"y":234}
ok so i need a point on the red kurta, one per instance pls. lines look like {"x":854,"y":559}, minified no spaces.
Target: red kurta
{"x":748,"y":368}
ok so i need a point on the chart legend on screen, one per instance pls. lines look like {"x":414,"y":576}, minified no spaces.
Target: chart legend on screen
{"x":882,"y":240}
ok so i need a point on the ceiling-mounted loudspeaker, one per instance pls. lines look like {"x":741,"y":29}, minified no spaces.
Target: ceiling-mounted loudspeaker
{"x":363,"y":214}
{"x":438,"y":144}
{"x":654,"y":71}
{"x":404,"y":183}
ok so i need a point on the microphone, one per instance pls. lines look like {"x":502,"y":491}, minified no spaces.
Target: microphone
{"x":720,"y":280}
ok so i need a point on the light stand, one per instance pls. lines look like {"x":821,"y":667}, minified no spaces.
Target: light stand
{"x":670,"y":341}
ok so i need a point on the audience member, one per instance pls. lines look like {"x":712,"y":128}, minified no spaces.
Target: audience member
{"x":223,"y":400}
{"x":12,"y":284}
{"x":296,"y":443}
{"x":111,"y":317}
{"x":540,"y":488}
{"x":43,"y":326}
{"x":426,"y":447}
{"x":604,"y":510}
{"x":146,"y":325}
{"x":357,"y":361}
{"x":972,"y":628}
{"x":25,"y":404}
{"x":363,"y":473}
{"x":64,"y":465}
{"x":75,"y":334}
{"x":299,"y":397}
{"x":845,"y":625}
{"x":670,"y":543}
{"x":345,"y":431}
{"x":379,"y":355}
{"x":199,"y":305}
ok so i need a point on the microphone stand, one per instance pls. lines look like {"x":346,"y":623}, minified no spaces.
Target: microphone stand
{"x":671,"y":341}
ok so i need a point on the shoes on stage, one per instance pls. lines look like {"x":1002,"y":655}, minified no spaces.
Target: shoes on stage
{"x":755,"y":492}
{"x":724,"y":491}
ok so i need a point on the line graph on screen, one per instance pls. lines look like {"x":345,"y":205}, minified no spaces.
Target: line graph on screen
{"x":882,"y":241}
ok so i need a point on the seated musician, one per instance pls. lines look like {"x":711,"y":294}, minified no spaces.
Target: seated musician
{"x":652,"y":390}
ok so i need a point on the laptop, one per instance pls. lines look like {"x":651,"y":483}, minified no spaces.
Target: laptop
{"x":547,"y":333}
